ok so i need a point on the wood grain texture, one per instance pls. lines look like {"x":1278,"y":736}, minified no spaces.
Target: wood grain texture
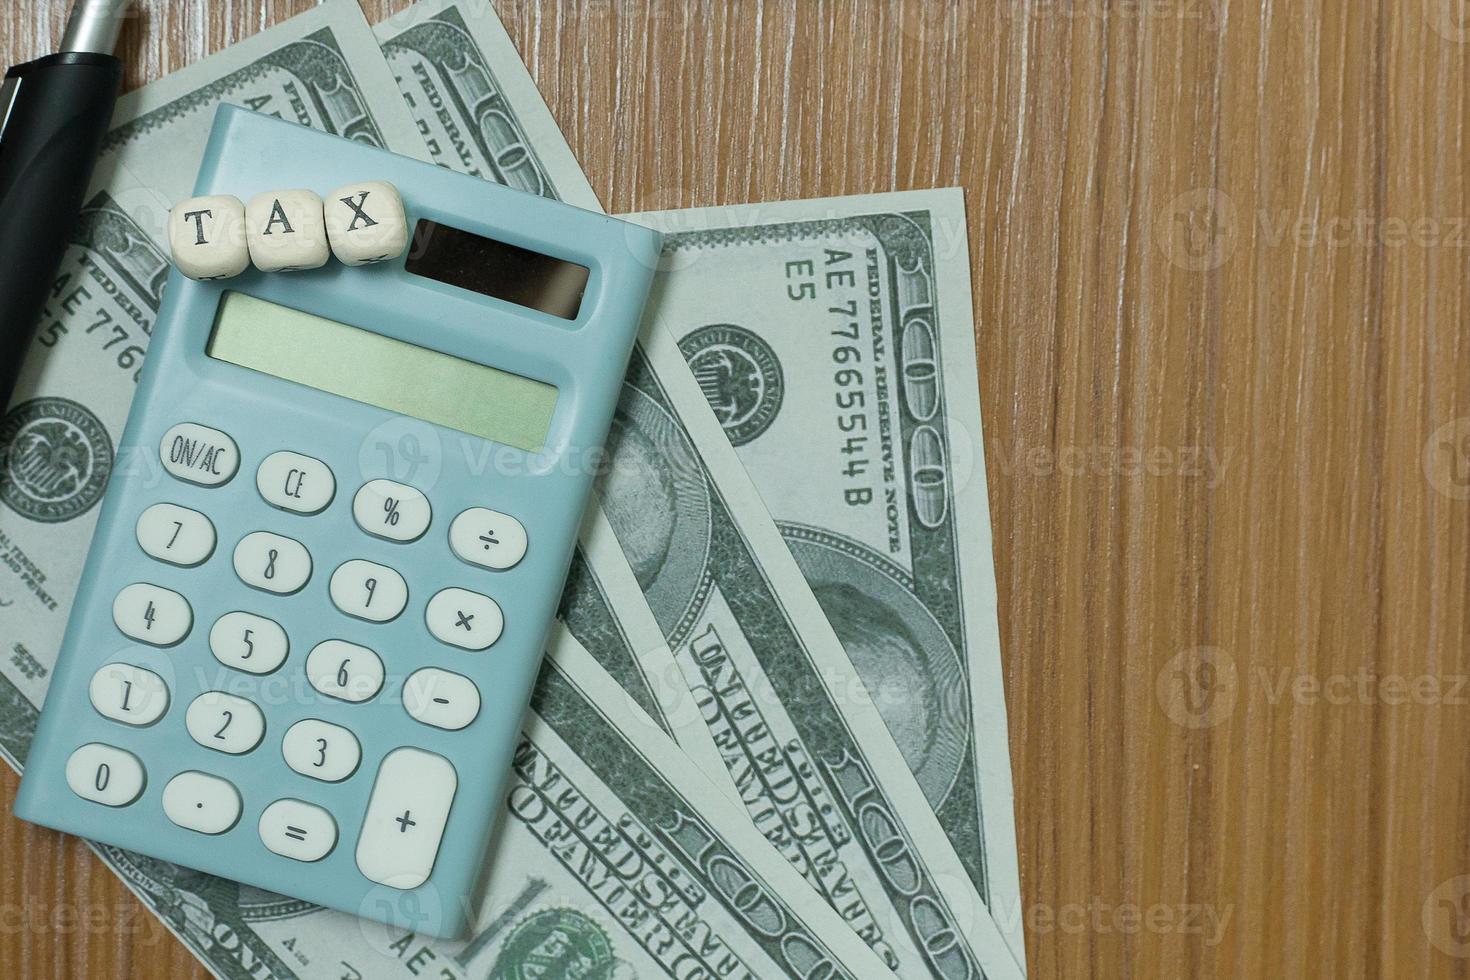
{"x":1222,"y":277}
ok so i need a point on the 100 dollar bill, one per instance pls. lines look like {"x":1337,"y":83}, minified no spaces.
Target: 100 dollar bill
{"x":834,"y":341}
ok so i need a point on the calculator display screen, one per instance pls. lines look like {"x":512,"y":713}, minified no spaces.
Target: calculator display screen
{"x":368,"y":367}
{"x":497,"y":269}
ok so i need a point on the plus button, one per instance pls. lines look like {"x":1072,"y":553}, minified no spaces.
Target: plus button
{"x":404,"y":823}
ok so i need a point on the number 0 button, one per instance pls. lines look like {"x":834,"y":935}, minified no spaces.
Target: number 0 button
{"x":224,"y":722}
{"x":104,"y":774}
{"x":272,"y":562}
{"x":464,"y":619}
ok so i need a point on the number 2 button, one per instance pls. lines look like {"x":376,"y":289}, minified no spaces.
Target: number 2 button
{"x":224,"y":722}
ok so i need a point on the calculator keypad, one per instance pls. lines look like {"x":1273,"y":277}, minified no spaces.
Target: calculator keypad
{"x":272,"y":562}
{"x":298,"y":830}
{"x":464,"y":619}
{"x":391,"y":510}
{"x":175,"y":534}
{"x":295,"y":482}
{"x":368,"y":590}
{"x":198,"y":454}
{"x":104,"y":774}
{"x":128,"y":694}
{"x":224,"y":722}
{"x":248,"y":642}
{"x":199,"y":801}
{"x":321,"y":750}
{"x":405,"y":817}
{"x":152,"y":614}
{"x":488,"y":538}
{"x":344,"y":671}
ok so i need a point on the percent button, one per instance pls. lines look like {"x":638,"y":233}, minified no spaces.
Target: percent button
{"x":391,"y":510}
{"x":488,"y":538}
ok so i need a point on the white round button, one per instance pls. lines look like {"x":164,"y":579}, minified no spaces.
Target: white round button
{"x":224,"y":722}
{"x":464,"y":619}
{"x":128,"y":694}
{"x":391,"y":510}
{"x":368,"y":590}
{"x":152,"y":614}
{"x":298,"y":830}
{"x":441,"y":698}
{"x":295,"y":482}
{"x":321,"y":750}
{"x":248,"y":642}
{"x":104,"y":774}
{"x":175,"y":534}
{"x":272,"y":562}
{"x":198,"y":454}
{"x":199,"y":801}
{"x":488,"y":538}
{"x":344,"y":670}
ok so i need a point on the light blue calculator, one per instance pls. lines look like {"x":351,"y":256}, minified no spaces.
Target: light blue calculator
{"x":332,"y":548}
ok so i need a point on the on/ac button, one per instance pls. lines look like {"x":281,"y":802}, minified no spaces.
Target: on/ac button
{"x":198,"y":454}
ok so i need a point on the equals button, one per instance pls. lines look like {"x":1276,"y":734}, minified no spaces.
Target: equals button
{"x":298,"y":830}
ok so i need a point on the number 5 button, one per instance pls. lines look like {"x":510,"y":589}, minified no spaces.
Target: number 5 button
{"x":464,"y":619}
{"x":488,"y":538}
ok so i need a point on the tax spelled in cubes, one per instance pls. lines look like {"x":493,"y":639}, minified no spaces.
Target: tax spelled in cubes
{"x":287,"y":231}
{"x":207,"y":237}
{"x":366,"y":223}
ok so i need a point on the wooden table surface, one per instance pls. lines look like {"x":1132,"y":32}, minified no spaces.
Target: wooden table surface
{"x":1221,"y":257}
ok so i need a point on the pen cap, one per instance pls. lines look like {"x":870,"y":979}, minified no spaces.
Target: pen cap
{"x":94,"y":25}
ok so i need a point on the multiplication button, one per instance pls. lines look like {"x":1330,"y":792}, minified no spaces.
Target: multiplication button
{"x":488,"y":538}
{"x":464,"y":619}
{"x":391,"y":510}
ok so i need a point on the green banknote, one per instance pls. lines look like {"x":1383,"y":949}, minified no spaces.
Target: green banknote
{"x":834,"y":341}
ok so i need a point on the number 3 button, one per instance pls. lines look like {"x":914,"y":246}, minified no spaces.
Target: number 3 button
{"x":321,"y":750}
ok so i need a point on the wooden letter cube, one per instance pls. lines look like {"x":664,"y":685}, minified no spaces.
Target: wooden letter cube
{"x":207,"y":237}
{"x":287,"y":231}
{"x":366,"y":223}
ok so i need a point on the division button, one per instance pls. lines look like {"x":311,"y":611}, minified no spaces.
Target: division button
{"x":152,"y":614}
{"x":464,"y":619}
{"x":321,"y":750}
{"x":295,"y":482}
{"x":128,"y":694}
{"x":441,"y":698}
{"x":391,"y":510}
{"x":104,"y":774}
{"x":175,"y":534}
{"x":368,"y":590}
{"x":272,"y":562}
{"x":406,"y":817}
{"x":224,"y":722}
{"x":488,"y":538}
{"x":199,"y":801}
{"x":298,"y":830}
{"x":198,"y":454}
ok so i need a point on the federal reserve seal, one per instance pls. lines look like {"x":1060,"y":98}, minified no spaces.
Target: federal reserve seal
{"x":55,"y":456}
{"x":558,"y":943}
{"x":740,"y":376}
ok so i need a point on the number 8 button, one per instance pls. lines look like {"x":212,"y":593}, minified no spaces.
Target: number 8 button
{"x":272,"y":562}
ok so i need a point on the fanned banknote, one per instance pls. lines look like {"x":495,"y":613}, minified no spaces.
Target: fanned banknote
{"x":835,"y":343}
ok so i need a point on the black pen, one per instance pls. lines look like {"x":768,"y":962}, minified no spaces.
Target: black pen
{"x":54,"y":112}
